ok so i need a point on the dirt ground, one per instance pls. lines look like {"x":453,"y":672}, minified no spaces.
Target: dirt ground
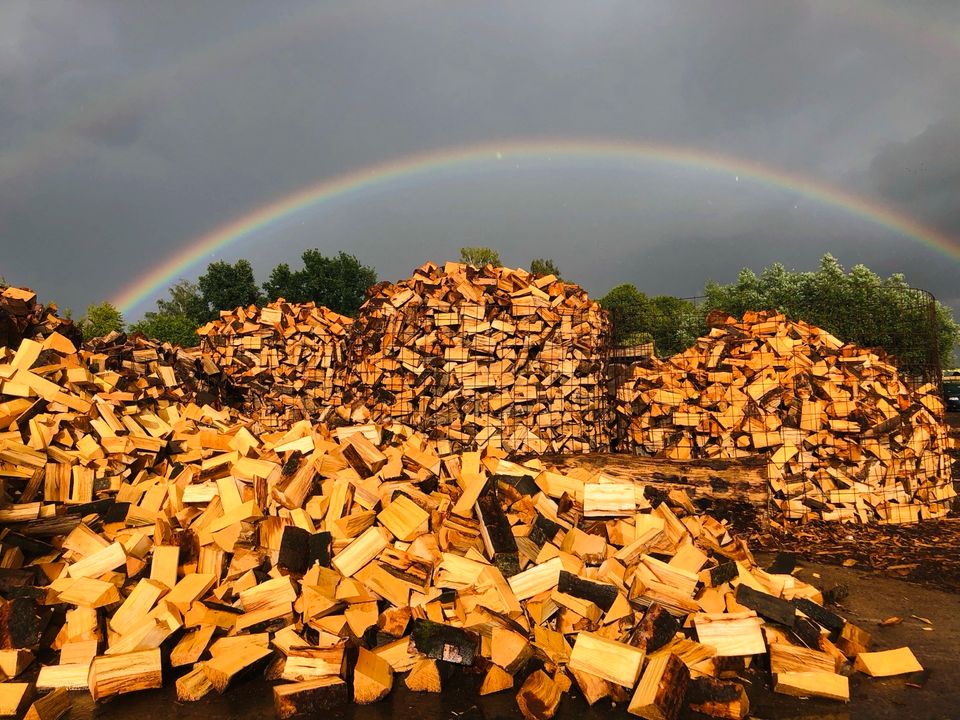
{"x":871,"y":598}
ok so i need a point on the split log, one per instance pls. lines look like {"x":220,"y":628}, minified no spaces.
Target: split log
{"x":309,"y":698}
{"x":444,"y":642}
{"x":14,"y":697}
{"x":539,"y":696}
{"x":424,"y":676}
{"x":372,"y":678}
{"x":662,"y":688}
{"x":813,"y":684}
{"x":496,"y":680}
{"x":194,"y":685}
{"x":613,"y":661}
{"x":886,"y":663}
{"x":51,"y":706}
{"x":718,"y":698}
{"x":112,"y":674}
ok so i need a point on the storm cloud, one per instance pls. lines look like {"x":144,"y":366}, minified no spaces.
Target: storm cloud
{"x":128,"y":130}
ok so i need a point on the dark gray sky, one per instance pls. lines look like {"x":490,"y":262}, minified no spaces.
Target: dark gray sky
{"x":129,"y":129}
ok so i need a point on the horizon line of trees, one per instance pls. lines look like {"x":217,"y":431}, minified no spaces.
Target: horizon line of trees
{"x":857,"y":306}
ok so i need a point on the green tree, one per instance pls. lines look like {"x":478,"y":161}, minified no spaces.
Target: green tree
{"x":545,"y":266}
{"x":284,"y":283}
{"x":187,"y":301}
{"x":225,"y":287}
{"x":630,"y":312}
{"x":101,"y":319}
{"x":173,"y":328}
{"x":338,"y":282}
{"x":857,"y":306}
{"x":674,"y":323}
{"x":480,"y":256}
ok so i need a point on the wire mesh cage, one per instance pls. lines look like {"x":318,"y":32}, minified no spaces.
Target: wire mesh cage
{"x":476,"y":372}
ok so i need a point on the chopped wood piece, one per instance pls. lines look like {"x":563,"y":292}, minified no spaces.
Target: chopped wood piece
{"x":294,"y":550}
{"x":14,"y":697}
{"x":593,"y":688}
{"x":819,"y":614}
{"x":424,"y":676}
{"x":509,"y":649}
{"x":536,"y":579}
{"x":853,"y":640}
{"x":885,"y":663}
{"x":309,"y":697}
{"x":372,"y":678}
{"x":112,"y":674}
{"x":498,"y":538}
{"x":662,"y":688}
{"x":613,"y":661}
{"x":194,"y":685}
{"x":224,"y":667}
{"x":657,"y":628}
{"x":790,"y":658}
{"x":732,"y":634}
{"x":766,"y":605}
{"x":306,"y":663}
{"x":718,"y":698}
{"x":191,"y":646}
{"x":539,"y":696}
{"x":14,"y":661}
{"x":361,"y":551}
{"x":813,"y":684}
{"x":444,"y":642}
{"x":393,"y":621}
{"x":51,"y":706}
{"x":404,"y":518}
{"x":600,"y":594}
{"x":496,"y":680}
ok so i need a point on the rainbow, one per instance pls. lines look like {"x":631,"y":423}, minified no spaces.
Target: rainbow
{"x":467,"y":157}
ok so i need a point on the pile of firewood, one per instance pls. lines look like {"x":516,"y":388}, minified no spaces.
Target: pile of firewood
{"x":478,"y":355}
{"x":283,"y":359}
{"x":21,"y":316}
{"x":149,"y":542}
{"x":846,"y":437}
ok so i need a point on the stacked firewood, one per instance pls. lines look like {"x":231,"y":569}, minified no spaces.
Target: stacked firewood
{"x":171,"y":544}
{"x":157,"y":370}
{"x":846,"y":437}
{"x":283,"y":358}
{"x":21,"y":316}
{"x":480,"y":356}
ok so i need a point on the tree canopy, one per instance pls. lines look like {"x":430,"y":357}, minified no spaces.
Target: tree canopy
{"x":187,"y":301}
{"x":338,"y":282}
{"x":544,"y":266}
{"x":630,"y":312}
{"x":480,"y":256}
{"x":101,"y":319}
{"x":174,"y":328}
{"x":224,"y":286}
{"x":672,"y":323}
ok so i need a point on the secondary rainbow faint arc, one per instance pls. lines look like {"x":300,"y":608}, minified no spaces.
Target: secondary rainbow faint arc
{"x":432,"y":162}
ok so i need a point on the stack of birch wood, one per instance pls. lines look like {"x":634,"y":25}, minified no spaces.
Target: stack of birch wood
{"x":283,"y":358}
{"x":847,"y":438}
{"x":149,"y":543}
{"x":476,"y":356}
{"x":21,"y":316}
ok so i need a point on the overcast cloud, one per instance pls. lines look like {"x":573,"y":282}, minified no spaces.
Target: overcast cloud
{"x":129,"y":129}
